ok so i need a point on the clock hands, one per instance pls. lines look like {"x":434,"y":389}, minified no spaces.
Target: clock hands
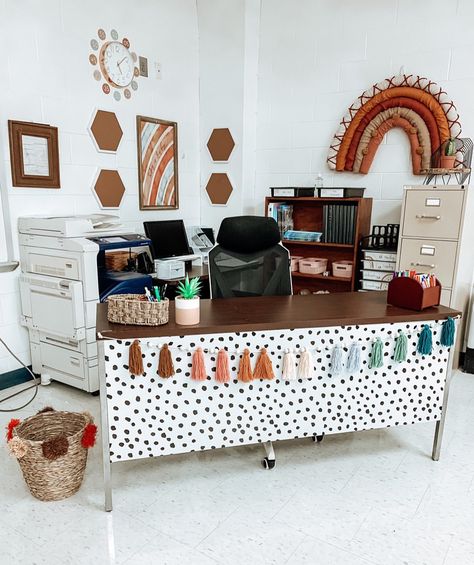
{"x":119,"y":63}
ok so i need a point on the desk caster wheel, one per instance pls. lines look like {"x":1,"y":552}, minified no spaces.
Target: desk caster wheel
{"x":318,"y":439}
{"x":95,"y":393}
{"x":268,"y":463}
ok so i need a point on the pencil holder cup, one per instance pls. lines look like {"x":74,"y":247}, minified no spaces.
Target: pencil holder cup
{"x":135,"y":309}
{"x":406,"y":292}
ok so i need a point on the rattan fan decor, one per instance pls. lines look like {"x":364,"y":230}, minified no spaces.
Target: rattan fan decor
{"x":51,"y":448}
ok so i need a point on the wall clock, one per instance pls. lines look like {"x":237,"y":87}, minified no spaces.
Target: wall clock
{"x":115,"y":64}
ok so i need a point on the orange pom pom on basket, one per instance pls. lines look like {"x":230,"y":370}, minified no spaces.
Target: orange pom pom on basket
{"x":51,"y":448}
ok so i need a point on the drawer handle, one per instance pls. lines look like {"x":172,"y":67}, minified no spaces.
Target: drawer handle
{"x":427,"y":217}
{"x":431,"y":266}
{"x":75,"y":362}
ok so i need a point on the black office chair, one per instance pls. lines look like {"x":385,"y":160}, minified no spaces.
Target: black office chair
{"x":249,"y":260}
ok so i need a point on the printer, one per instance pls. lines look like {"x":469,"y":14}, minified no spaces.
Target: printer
{"x":64,"y":275}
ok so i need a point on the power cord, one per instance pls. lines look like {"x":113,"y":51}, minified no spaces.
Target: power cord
{"x":35,"y":386}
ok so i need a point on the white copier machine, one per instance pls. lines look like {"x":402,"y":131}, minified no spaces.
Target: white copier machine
{"x":59,"y":289}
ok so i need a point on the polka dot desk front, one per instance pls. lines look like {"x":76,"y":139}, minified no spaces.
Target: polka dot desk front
{"x":151,"y":416}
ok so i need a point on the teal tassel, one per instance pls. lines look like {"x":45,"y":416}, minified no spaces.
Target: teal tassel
{"x":447,"y":333}
{"x":353,"y":360}
{"x":425,"y":342}
{"x":336,"y":360}
{"x":401,"y":346}
{"x":376,"y":357}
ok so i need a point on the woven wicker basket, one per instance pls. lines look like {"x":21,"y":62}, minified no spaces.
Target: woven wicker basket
{"x":135,"y":309}
{"x":53,"y":479}
{"x":118,"y":260}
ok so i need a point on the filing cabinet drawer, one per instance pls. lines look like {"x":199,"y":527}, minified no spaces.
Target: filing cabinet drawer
{"x":433,"y":213}
{"x":429,"y":256}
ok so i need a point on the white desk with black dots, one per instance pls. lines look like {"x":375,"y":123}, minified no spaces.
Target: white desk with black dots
{"x":150,"y":416}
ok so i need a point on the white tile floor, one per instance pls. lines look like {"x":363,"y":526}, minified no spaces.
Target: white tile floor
{"x":358,"y":499}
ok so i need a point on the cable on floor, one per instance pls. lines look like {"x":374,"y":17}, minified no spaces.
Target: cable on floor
{"x":35,"y":386}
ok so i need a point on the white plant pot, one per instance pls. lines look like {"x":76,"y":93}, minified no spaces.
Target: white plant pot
{"x":187,"y":311}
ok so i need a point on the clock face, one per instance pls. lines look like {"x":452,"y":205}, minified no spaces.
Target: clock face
{"x":117,"y":64}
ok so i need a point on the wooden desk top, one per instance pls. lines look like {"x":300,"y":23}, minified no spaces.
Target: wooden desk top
{"x":278,"y":312}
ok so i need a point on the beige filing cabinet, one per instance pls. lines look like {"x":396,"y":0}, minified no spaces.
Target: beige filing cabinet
{"x":437,"y":236}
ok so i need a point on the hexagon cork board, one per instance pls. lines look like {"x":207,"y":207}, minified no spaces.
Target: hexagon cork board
{"x":219,"y":188}
{"x":220,"y":144}
{"x":106,"y":131}
{"x":109,"y":189}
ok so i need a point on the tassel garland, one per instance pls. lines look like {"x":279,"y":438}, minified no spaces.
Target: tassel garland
{"x":425,"y":342}
{"x":288,"y":370}
{"x":263,"y":367}
{"x":305,"y":366}
{"x":165,"y":363}
{"x":222,"y":367}
{"x":135,"y":360}
{"x":336,"y":360}
{"x":401,"y":346}
{"x":198,"y":369}
{"x":376,"y":356}
{"x":245,"y":368}
{"x":353,"y":360}
{"x":448,"y":330}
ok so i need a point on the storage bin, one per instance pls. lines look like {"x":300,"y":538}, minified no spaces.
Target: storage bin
{"x":379,"y":265}
{"x":377,"y":276}
{"x":374,"y":285}
{"x":118,"y":260}
{"x":342,"y":269}
{"x":406,"y":292}
{"x":295,"y":261}
{"x":371,"y":255}
{"x":313,"y":265}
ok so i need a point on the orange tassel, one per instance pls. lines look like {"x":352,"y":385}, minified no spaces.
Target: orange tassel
{"x":198,"y":370}
{"x":263,"y":367}
{"x":222,"y":367}
{"x":165,"y":363}
{"x":135,"y":361}
{"x":245,"y":368}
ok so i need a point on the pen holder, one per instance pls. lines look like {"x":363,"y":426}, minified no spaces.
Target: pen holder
{"x":136,"y":310}
{"x":406,"y":292}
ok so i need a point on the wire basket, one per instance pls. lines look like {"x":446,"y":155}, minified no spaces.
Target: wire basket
{"x":51,"y":448}
{"x":136,"y":310}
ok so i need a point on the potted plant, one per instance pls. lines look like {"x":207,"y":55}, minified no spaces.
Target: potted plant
{"x":187,"y":302}
{"x":448,"y":154}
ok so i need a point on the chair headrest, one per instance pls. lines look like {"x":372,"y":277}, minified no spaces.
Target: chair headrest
{"x":248,"y":234}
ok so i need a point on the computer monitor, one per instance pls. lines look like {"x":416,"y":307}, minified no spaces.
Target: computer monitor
{"x":168,"y":238}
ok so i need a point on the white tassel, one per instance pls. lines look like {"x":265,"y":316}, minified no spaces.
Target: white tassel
{"x":305,"y":366}
{"x":288,"y":372}
{"x":336,"y":360}
{"x":353,"y":361}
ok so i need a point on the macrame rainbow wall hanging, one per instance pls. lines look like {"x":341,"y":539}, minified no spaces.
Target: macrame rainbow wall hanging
{"x":416,"y":104}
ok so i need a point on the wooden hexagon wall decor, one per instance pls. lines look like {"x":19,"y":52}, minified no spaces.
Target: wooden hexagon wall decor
{"x":220,"y":144}
{"x":109,"y":188}
{"x":219,"y":188}
{"x":106,"y":131}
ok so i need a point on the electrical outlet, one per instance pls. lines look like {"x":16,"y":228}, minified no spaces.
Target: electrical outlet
{"x":158,"y":70}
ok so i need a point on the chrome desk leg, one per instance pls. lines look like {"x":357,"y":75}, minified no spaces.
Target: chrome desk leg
{"x":269,"y":461}
{"x":438,"y":436}
{"x":104,"y":422}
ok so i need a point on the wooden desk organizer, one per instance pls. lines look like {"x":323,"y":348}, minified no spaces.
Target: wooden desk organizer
{"x":406,"y":292}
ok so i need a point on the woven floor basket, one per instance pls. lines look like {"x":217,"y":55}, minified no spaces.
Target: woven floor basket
{"x":62,"y":477}
{"x":134,"y":310}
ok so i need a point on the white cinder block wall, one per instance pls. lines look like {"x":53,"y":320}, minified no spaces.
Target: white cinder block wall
{"x":317,"y":56}
{"x":46,"y":77}
{"x":287,"y":70}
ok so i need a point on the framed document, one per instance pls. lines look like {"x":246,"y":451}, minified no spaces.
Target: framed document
{"x":34,"y":155}
{"x":157,"y":164}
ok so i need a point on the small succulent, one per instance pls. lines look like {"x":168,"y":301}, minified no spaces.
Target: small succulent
{"x":450,"y":148}
{"x":189,"y":288}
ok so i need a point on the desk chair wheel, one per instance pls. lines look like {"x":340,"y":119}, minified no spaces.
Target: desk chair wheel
{"x":95,"y":393}
{"x":318,"y":439}
{"x":268,"y":463}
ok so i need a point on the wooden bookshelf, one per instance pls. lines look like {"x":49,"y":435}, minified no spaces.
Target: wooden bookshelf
{"x":308,"y":215}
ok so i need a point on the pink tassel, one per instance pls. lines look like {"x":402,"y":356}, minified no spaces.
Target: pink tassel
{"x":198,"y":370}
{"x":222,"y":367}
